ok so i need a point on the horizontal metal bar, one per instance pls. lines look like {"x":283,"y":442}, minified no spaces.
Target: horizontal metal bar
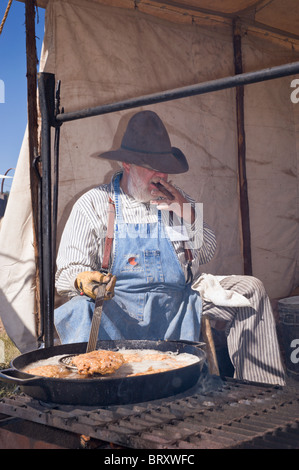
{"x":184,"y":92}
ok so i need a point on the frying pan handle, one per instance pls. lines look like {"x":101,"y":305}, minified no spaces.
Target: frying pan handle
{"x":196,"y":344}
{"x":16,"y":377}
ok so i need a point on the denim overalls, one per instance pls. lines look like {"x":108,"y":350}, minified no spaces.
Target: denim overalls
{"x":152,"y":300}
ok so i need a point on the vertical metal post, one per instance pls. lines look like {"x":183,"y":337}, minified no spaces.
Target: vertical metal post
{"x":56,"y":180}
{"x":46,"y":85}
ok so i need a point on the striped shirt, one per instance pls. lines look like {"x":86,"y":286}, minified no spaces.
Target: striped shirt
{"x":82,"y":243}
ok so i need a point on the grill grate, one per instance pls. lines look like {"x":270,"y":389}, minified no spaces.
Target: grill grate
{"x":235,"y":415}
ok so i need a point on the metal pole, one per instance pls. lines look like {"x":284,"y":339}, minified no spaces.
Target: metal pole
{"x":56,"y":183}
{"x":46,"y":84}
{"x":184,"y":92}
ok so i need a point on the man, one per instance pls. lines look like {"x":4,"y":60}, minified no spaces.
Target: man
{"x":158,"y":248}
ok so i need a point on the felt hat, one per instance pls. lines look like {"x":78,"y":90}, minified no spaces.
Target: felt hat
{"x":146,"y":143}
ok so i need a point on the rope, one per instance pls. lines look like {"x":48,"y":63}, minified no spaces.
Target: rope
{"x":5,"y":15}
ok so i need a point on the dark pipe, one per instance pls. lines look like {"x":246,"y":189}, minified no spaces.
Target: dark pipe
{"x":55,"y":185}
{"x":46,"y":98}
{"x":183,"y":92}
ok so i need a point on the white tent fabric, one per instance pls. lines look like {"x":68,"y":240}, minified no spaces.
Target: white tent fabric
{"x":17,"y":259}
{"x":104,"y":54}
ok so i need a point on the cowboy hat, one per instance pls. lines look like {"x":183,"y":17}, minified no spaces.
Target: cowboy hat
{"x":146,"y":143}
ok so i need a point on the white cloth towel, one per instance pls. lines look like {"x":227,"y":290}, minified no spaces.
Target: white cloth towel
{"x":211,"y":290}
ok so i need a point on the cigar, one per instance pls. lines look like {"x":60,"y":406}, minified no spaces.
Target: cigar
{"x":164,"y":191}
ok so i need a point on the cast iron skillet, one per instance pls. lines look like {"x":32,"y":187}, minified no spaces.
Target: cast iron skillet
{"x":105,"y":391}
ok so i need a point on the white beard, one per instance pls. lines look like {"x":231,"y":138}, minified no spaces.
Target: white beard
{"x":138,"y":192}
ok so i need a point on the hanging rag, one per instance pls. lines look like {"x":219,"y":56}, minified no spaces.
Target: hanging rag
{"x":211,"y":290}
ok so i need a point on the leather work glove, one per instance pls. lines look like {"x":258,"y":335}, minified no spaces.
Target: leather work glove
{"x":88,"y":283}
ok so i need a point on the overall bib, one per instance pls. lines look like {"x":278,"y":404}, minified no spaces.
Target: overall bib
{"x":152,"y":300}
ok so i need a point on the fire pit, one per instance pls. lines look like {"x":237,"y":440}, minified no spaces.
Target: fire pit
{"x":214,"y":414}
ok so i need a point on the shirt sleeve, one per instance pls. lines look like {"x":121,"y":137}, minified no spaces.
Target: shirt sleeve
{"x":80,"y":247}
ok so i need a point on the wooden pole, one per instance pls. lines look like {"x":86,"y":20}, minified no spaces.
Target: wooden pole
{"x":243,"y":190}
{"x":32,"y":61}
{"x":210,"y":350}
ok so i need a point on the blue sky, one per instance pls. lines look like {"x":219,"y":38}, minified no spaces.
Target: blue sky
{"x":13,"y":111}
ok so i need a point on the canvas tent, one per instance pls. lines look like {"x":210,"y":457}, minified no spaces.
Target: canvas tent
{"x":107,"y":51}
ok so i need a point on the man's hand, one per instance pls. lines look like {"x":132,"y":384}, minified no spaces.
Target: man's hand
{"x":175,"y":204}
{"x":88,"y":283}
